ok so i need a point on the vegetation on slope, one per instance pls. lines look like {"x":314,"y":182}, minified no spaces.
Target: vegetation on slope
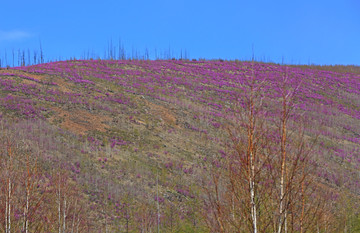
{"x":128,"y":146}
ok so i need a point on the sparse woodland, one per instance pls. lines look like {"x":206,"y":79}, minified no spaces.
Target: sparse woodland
{"x":179,"y":146}
{"x":264,"y":183}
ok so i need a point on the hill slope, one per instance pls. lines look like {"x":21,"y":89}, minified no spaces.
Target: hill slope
{"x":130,"y":132}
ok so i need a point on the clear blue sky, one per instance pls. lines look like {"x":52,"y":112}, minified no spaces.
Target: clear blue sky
{"x":315,"y":31}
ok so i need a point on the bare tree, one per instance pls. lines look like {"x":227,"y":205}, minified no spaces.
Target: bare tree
{"x":264,"y":182}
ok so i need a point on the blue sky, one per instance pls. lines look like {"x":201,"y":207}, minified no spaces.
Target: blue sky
{"x":306,"y":31}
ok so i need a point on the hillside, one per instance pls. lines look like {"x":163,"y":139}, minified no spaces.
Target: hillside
{"x":135,"y":137}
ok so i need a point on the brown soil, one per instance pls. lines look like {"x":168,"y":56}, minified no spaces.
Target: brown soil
{"x":80,"y":121}
{"x":165,"y":114}
{"x":19,"y":72}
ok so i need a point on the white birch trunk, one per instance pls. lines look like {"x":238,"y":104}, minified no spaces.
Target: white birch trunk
{"x":233,"y":207}
{"x":281,"y":204}
{"x":9,"y":208}
{"x":64,"y":216}
{"x":6,"y":213}
{"x":282,"y":209}
{"x":59,"y":205}
{"x":27,"y":211}
{"x":157,"y":199}
{"x":78,"y":223}
{"x":73,"y":220}
{"x":106,"y":230}
{"x":252,"y":195}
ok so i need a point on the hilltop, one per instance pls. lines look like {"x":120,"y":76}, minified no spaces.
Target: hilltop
{"x":135,"y":137}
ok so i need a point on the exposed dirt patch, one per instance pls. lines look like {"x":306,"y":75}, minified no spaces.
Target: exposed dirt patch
{"x":165,"y":114}
{"x":80,"y":121}
{"x":19,"y":72}
{"x":62,"y":85}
